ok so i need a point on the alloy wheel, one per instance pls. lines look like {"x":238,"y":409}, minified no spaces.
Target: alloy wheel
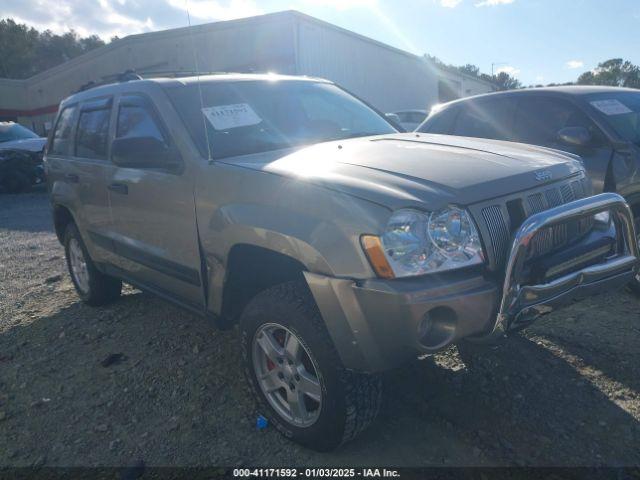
{"x":287,"y":375}
{"x":79,"y":268}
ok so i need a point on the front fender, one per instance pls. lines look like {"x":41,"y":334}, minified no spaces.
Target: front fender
{"x":318,"y":227}
{"x":322,"y":245}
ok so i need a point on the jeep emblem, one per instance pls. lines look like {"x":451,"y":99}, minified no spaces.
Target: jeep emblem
{"x":543,"y":175}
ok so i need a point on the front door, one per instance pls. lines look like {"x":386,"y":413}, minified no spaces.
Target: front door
{"x":540,"y":118}
{"x":154,"y":227}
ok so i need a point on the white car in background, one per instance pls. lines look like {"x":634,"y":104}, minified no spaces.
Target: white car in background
{"x":411,"y":119}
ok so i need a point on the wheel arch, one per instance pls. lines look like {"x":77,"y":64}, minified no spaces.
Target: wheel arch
{"x":62,"y":217}
{"x":251,"y":269}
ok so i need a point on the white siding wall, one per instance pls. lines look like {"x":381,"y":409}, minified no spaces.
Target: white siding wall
{"x":390,"y":80}
{"x":475,"y":87}
{"x":287,"y":42}
{"x":257,"y":45}
{"x":260,"y":44}
{"x":463,"y":85}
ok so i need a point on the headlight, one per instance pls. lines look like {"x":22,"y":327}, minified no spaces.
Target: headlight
{"x":415,"y":243}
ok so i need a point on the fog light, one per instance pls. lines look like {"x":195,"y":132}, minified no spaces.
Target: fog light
{"x":438,"y":327}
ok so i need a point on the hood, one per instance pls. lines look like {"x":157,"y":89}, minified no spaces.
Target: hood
{"x":27,"y":144}
{"x":403,"y":170}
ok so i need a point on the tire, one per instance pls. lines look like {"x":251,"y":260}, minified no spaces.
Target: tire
{"x":16,"y":182}
{"x":93,"y":287}
{"x":634,"y":286}
{"x":349,"y":402}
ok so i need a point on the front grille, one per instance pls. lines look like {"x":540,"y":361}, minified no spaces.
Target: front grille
{"x":498,"y":229}
{"x":501,"y":223}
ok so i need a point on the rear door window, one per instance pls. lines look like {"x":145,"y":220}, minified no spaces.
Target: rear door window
{"x":61,"y":140}
{"x":489,"y":118}
{"x":93,"y":130}
{"x":441,"y":122}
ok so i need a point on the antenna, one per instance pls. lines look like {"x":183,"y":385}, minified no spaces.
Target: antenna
{"x":195,"y":62}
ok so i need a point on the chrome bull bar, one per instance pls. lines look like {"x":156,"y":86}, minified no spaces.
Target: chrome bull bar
{"x":522,"y":303}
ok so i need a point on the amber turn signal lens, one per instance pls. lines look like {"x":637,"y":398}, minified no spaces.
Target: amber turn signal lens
{"x":375,"y":253}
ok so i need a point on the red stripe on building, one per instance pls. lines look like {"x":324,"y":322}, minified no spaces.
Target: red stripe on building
{"x":29,"y":113}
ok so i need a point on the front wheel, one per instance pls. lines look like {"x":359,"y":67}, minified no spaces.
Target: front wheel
{"x":295,"y":372}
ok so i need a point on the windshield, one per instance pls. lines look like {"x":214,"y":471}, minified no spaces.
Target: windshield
{"x":247,"y":117}
{"x":621,"y":111}
{"x":14,"y":131}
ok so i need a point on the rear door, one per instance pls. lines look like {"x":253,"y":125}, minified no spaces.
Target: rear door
{"x":490,"y":117}
{"x":154,"y":225}
{"x":77,"y":161}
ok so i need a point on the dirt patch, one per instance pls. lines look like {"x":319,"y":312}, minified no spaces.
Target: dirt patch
{"x":144,"y":380}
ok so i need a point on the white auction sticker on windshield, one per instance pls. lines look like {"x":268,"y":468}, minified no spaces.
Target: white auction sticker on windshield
{"x":611,"y":107}
{"x":224,"y":117}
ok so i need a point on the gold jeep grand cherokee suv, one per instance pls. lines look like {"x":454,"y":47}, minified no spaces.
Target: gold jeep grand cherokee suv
{"x":341,"y":247}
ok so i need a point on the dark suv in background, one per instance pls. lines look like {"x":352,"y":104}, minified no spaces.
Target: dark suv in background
{"x":21,"y":153}
{"x":600,"y":124}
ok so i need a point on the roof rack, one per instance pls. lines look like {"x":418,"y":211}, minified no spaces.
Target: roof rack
{"x":126,"y":76}
{"x":131,"y":75}
{"x":183,"y":73}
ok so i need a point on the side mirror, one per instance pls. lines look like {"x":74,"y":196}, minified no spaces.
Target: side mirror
{"x":575,"y":136}
{"x":143,"y":152}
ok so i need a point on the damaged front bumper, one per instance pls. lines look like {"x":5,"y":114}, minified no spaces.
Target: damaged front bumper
{"x":377,"y":324}
{"x":523,"y":303}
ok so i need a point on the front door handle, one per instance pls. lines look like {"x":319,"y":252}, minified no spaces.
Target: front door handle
{"x":72,"y":177}
{"x":120,"y":188}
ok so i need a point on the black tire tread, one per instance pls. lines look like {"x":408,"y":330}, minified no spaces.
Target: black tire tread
{"x":103,"y":289}
{"x":363,"y":392}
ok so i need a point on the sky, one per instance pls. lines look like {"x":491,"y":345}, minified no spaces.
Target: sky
{"x":537,"y":41}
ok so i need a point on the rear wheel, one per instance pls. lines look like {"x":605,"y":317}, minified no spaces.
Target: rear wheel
{"x":295,"y":372}
{"x":94,"y":287}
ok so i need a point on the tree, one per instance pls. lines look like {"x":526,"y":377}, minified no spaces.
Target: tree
{"x":470,"y":69}
{"x":24,"y":51}
{"x":504,"y":81}
{"x":615,"y":72}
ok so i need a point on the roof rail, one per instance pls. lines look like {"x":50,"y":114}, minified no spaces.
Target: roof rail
{"x":126,"y":76}
{"x":183,"y":73}
{"x":130,"y":75}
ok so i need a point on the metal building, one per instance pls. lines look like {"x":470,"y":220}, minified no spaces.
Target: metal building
{"x":286,"y":42}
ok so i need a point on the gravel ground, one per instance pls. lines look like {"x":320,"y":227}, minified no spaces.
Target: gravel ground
{"x":566,"y":392}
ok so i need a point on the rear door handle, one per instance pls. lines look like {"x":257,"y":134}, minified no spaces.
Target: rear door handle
{"x":120,"y":188}
{"x":72,"y":177}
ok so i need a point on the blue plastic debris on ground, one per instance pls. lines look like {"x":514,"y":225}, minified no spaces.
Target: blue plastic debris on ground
{"x":261,"y":422}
